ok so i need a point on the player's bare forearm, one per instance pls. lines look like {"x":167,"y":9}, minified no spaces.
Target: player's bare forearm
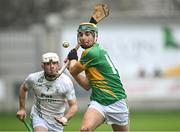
{"x":82,"y":81}
{"x":22,"y":97}
{"x":75,"y":67}
{"x":76,"y":70}
{"x":72,"y":109}
{"x":70,"y":113}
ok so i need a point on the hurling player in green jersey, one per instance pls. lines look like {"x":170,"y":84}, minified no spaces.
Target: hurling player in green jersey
{"x":108,"y":97}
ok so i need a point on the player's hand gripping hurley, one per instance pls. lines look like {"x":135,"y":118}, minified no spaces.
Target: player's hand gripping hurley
{"x":100,"y":12}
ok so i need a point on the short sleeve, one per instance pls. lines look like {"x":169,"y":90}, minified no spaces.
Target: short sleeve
{"x":70,"y":93}
{"x":88,"y":57}
{"x":28,"y":83}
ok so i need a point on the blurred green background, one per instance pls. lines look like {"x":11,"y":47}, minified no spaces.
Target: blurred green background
{"x":139,"y":121}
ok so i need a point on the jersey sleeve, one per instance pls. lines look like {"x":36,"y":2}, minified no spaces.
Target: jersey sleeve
{"x":70,"y":93}
{"x":28,"y":82}
{"x":89,"y":57}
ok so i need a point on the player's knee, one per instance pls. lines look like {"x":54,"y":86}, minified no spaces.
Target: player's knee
{"x":85,"y":129}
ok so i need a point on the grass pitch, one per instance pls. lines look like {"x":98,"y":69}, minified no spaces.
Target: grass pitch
{"x":139,"y":121}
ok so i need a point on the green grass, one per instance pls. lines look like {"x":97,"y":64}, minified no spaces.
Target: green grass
{"x":139,"y":121}
{"x":155,"y":121}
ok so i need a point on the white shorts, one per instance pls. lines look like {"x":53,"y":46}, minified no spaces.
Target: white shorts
{"x":116,"y":113}
{"x":38,"y":121}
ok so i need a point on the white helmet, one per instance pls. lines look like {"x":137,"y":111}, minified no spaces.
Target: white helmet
{"x":50,"y":56}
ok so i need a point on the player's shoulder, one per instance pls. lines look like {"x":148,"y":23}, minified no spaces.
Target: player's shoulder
{"x":65,"y":77}
{"x":95,"y":50}
{"x":35,"y":75}
{"x":92,"y":51}
{"x":65,"y":82}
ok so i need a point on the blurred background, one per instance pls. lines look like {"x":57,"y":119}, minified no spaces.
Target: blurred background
{"x":141,"y":36}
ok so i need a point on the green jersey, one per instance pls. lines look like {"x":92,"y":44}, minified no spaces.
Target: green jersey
{"x":103,"y":77}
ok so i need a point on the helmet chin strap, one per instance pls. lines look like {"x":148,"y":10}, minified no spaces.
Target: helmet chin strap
{"x":85,"y":46}
{"x":51,"y":77}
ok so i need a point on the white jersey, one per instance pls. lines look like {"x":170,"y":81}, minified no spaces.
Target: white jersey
{"x":50,"y":96}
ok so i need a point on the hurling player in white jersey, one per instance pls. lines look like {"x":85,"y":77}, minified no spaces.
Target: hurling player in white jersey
{"x":52,"y":92}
